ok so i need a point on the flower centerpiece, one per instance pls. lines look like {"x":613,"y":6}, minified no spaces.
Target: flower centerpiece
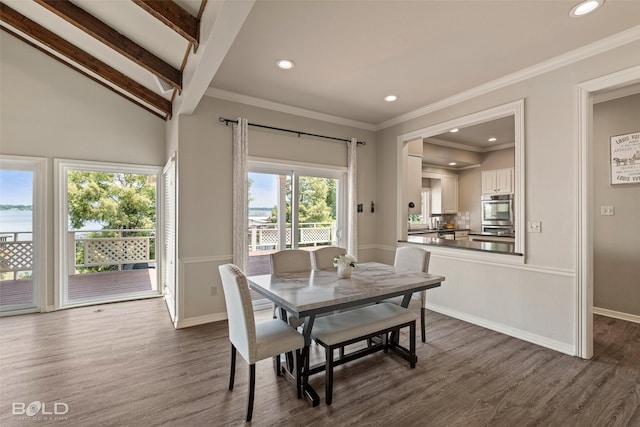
{"x":345,"y":264}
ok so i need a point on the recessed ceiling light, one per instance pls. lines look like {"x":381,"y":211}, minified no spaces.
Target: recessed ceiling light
{"x":452,"y":164}
{"x":585,"y":7}
{"x":285,"y":64}
{"x":454,"y":130}
{"x":390,"y":98}
{"x":492,"y":139}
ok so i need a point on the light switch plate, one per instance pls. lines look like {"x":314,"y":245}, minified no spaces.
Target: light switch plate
{"x":607,"y":210}
{"x":534,"y":227}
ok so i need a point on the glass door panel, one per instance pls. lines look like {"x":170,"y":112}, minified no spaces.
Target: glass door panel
{"x":17,"y":287}
{"x":317,"y":211}
{"x":110,"y":234}
{"x":269,"y":218}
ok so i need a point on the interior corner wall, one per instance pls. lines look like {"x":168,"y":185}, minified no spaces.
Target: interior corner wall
{"x":536,"y":301}
{"x":616,"y":239}
{"x":470,"y":183}
{"x":49,"y":110}
{"x":205,"y":190}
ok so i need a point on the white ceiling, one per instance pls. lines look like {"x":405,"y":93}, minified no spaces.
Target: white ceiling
{"x":350,"y":54}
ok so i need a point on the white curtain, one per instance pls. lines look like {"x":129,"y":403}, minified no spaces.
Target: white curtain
{"x":240,"y":193}
{"x":352,"y":199}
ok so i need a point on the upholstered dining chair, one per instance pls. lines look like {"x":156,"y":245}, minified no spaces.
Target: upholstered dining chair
{"x":290,"y":261}
{"x":413,"y":258}
{"x":255,"y":341}
{"x":322,"y":259}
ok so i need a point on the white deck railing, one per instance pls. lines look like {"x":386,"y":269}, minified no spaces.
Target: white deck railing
{"x":311,"y":233}
{"x":118,"y":250}
{"x":17,"y":255}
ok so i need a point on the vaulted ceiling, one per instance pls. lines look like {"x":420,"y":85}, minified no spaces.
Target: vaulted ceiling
{"x":165,"y":55}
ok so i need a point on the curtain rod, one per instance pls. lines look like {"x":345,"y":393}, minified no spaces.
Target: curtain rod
{"x":299,"y":133}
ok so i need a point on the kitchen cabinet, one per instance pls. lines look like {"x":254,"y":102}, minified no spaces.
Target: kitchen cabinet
{"x":444,"y":193}
{"x":462,"y":235}
{"x":498,"y":181}
{"x":414,"y":184}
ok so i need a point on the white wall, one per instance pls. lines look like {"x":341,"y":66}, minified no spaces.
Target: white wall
{"x":616,"y":239}
{"x":48,"y":110}
{"x":537,"y":300}
{"x":205,"y":190}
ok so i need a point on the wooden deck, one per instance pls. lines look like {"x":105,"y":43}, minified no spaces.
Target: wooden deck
{"x":85,"y":286}
{"x":100,"y":285}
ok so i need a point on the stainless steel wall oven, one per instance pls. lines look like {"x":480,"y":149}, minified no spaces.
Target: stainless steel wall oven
{"x":497,"y":214}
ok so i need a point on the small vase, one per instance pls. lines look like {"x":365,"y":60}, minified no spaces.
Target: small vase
{"x":344,"y":272}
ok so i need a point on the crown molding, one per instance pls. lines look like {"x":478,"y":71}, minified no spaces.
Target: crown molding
{"x":450,"y":144}
{"x":608,"y":43}
{"x":283,"y":108}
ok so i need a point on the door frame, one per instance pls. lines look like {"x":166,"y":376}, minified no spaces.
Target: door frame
{"x":61,"y":169}
{"x":37,"y":165}
{"x":584,"y":214}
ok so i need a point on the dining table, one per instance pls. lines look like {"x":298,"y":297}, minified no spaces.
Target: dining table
{"x":308,"y":294}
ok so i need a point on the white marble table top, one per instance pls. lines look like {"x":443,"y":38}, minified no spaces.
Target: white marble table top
{"x":322,"y":291}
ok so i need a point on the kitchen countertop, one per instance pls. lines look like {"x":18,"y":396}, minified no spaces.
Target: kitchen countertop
{"x":433,"y":230}
{"x":495,"y":247}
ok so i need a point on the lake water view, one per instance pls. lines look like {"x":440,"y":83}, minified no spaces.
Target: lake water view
{"x":12,"y":221}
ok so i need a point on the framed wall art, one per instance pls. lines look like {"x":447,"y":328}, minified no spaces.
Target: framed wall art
{"x":625,"y":158}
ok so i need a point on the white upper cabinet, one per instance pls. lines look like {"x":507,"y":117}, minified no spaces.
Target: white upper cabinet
{"x":499,"y":181}
{"x":444,"y":193}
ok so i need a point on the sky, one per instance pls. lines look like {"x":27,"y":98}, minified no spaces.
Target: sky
{"x":263,"y":190}
{"x":16,"y":187}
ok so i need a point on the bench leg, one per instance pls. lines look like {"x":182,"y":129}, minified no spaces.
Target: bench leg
{"x":422,"y":326}
{"x":329,"y":375}
{"x":298,"y":365}
{"x":412,"y":343}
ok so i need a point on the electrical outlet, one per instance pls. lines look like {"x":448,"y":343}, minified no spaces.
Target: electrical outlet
{"x":607,"y":210}
{"x":534,"y":227}
{"x":214,"y":291}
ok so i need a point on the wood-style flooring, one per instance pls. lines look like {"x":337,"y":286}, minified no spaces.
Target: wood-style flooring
{"x":125,"y":365}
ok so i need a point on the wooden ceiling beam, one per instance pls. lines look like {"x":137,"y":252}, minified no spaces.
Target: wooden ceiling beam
{"x":175,"y":17}
{"x":116,"y":41}
{"x":82,"y":58}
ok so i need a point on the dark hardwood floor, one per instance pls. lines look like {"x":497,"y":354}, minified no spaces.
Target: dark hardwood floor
{"x":124,"y":365}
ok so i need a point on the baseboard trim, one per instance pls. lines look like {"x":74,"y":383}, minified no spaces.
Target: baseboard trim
{"x":200,"y":320}
{"x":559,"y":346}
{"x":616,"y":314}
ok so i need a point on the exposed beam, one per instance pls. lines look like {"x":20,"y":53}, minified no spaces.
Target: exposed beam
{"x":81,"y":71}
{"x":82,"y":58}
{"x":116,"y":41}
{"x":175,"y":17}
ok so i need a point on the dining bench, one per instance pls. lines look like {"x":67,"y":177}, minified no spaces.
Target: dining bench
{"x":341,"y":329}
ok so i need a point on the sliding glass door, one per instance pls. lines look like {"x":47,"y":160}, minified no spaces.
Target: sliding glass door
{"x":292,"y":208}
{"x":22,"y":234}
{"x":108,"y":232}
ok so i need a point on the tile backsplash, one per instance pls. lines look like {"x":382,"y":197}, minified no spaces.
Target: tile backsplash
{"x":462,"y":219}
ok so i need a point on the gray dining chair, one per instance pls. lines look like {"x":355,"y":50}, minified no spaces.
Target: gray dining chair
{"x":322,"y":259}
{"x":413,"y":258}
{"x":255,"y":341}
{"x":290,"y":261}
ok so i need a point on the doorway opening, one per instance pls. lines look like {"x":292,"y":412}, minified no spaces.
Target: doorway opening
{"x":292,"y":207}
{"x":107,"y":232}
{"x":22,"y":234}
